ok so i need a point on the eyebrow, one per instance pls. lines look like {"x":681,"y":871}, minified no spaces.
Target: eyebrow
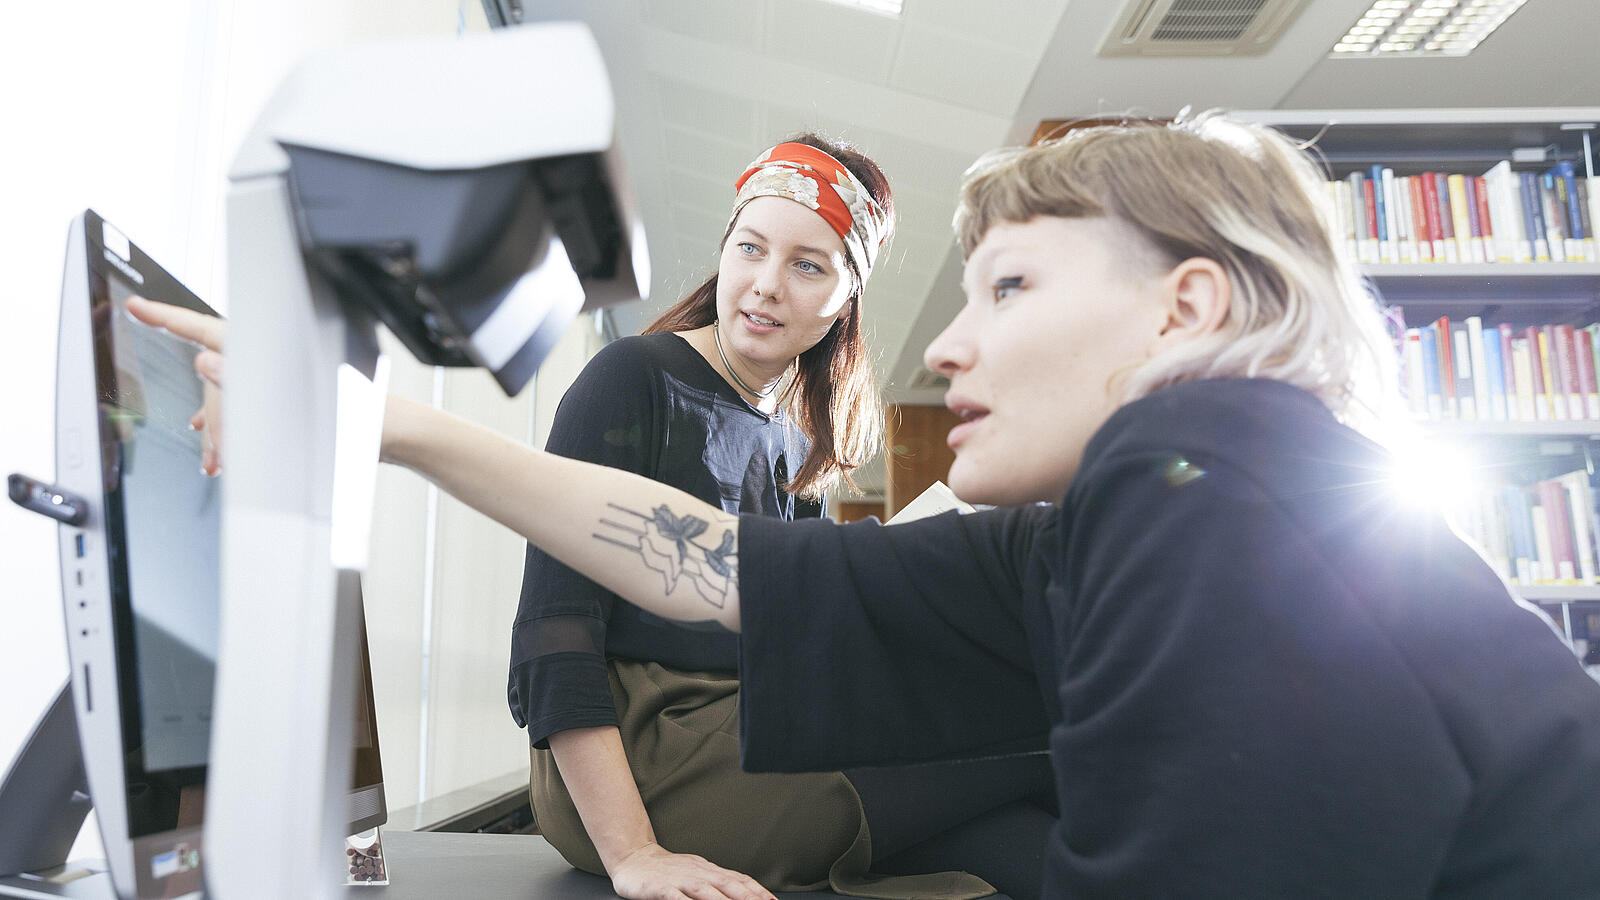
{"x":763,"y":238}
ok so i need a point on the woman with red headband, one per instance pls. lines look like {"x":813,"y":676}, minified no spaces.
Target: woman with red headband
{"x":755,"y":393}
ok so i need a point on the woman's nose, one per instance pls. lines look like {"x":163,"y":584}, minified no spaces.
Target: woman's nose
{"x":769,"y":281}
{"x":952,"y":350}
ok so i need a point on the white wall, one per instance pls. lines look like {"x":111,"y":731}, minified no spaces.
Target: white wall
{"x":134,"y":109}
{"x":104,"y":115}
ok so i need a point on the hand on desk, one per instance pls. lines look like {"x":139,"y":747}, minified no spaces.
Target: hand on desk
{"x":208,"y":332}
{"x":655,"y":873}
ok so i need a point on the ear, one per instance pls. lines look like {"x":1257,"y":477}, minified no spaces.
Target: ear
{"x":1197,"y":294}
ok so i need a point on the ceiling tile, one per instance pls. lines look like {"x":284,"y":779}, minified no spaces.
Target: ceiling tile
{"x":702,"y":225}
{"x":979,"y":75}
{"x":833,"y":39}
{"x":1025,"y":25}
{"x":726,"y":114}
{"x":702,"y":189}
{"x":924,"y":212}
{"x":735,"y":22}
{"x":702,"y":151}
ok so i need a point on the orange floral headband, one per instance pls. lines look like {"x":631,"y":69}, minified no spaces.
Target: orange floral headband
{"x":811,"y":177}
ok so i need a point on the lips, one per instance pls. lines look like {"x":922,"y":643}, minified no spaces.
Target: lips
{"x":755,"y":323}
{"x":972,"y":415}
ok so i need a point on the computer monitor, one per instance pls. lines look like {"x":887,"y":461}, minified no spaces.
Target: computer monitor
{"x":141,"y":574}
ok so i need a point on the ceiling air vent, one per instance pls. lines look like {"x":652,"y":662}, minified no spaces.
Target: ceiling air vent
{"x":926,"y":379}
{"x":1199,"y":27}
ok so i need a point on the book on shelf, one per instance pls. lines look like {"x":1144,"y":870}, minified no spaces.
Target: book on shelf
{"x":1404,"y":220}
{"x":1591,"y":246}
{"x":1466,"y":393}
{"x":1519,"y":527}
{"x":1382,"y":213}
{"x":1534,"y":534}
{"x":1533,"y":214}
{"x":1499,"y":216}
{"x":1580,"y":504}
{"x":1461,"y":215}
{"x":1370,"y":241}
{"x":1555,"y":395}
{"x":1447,"y":367}
{"x":1562,"y":567}
{"x":1343,"y":213}
{"x":1523,"y":372}
{"x":1487,"y":344}
{"x":1514,"y":409}
{"x":1432,"y":384}
{"x":1419,"y":219}
{"x":1510,"y":233}
{"x":1583,"y":352}
{"x":1447,"y":217}
{"x":1416,"y":385}
{"x":1590,"y":189}
{"x":1589,"y":354}
{"x":1555,"y":219}
{"x":1565,"y":365}
{"x":1485,"y":219}
{"x":1430,"y":205}
{"x":1466,"y":371}
{"x":1564,"y":183}
{"x":1480,"y":376}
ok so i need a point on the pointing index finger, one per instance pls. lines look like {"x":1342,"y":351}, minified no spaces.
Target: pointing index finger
{"x":208,"y":331}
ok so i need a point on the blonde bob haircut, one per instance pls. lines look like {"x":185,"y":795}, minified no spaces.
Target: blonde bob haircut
{"x":1240,"y":194}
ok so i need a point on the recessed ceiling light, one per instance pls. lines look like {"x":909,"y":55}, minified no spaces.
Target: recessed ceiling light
{"x":1423,"y":28}
{"x":881,"y":7}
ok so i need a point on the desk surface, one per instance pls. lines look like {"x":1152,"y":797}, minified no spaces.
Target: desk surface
{"x":431,"y":865}
{"x":435,"y":864}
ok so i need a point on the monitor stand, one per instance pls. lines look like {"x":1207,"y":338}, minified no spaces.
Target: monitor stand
{"x":43,"y":802}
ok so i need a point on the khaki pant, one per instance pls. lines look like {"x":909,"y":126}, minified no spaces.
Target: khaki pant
{"x":790,"y":832}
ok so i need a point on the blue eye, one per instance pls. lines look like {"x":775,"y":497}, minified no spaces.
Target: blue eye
{"x":1005,"y":287}
{"x":747,"y":248}
{"x":809,"y":267}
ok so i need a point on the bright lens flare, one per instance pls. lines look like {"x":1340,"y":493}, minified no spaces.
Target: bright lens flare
{"x":1433,"y":477}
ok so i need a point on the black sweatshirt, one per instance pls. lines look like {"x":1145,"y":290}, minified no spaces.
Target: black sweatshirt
{"x":1263,"y":677}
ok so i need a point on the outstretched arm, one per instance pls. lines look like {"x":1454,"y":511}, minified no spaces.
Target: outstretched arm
{"x":655,"y":546}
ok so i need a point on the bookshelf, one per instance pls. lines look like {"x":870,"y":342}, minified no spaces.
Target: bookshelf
{"x":1506,"y":447}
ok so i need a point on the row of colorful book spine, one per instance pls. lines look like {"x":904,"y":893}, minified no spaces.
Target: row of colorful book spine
{"x":1464,"y":370}
{"x":1542,"y":534}
{"x":1499,"y":216}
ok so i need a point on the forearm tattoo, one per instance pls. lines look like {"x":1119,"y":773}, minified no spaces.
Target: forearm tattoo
{"x":672,"y":545}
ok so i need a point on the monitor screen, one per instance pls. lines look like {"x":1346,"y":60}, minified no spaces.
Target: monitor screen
{"x":142,"y":576}
{"x":166,"y":567}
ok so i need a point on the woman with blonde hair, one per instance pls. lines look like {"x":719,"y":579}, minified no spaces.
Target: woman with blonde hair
{"x":1264,"y":675}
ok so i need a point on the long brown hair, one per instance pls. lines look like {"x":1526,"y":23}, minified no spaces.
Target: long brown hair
{"x":834,"y":396}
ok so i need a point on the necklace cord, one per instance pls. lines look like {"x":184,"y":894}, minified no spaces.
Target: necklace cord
{"x":716,"y":335}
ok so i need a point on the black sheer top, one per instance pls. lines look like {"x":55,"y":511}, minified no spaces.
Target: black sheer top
{"x":652,"y":405}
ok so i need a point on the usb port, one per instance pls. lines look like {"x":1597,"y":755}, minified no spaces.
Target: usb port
{"x":78,"y":542}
